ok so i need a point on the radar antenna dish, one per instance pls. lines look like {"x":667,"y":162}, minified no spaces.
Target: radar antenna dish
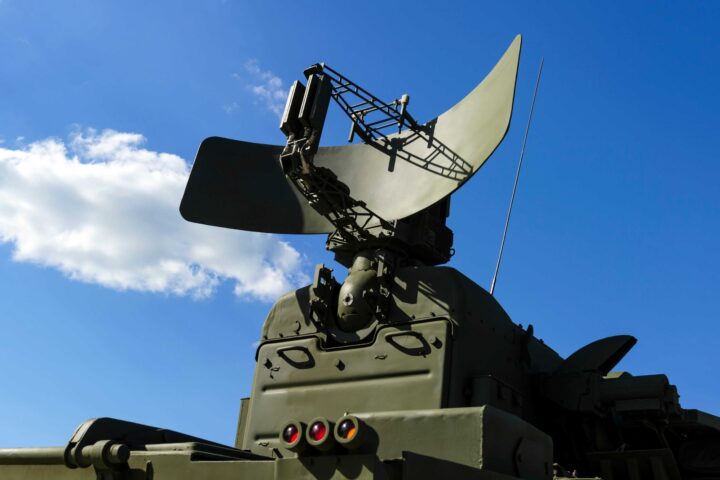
{"x":239,"y":185}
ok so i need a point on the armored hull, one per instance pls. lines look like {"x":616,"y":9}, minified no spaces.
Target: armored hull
{"x":447,"y":387}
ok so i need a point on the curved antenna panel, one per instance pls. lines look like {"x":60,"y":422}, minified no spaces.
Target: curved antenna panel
{"x":240,"y":185}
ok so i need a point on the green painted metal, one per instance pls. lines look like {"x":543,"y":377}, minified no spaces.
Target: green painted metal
{"x":435,"y":378}
{"x":231,"y":181}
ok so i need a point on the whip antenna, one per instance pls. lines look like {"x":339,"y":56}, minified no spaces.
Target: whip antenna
{"x":517,"y":179}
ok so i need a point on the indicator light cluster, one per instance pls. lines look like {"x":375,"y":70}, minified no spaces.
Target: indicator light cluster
{"x":322,"y":435}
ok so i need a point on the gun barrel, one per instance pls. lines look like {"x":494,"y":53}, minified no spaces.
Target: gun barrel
{"x":32,"y":456}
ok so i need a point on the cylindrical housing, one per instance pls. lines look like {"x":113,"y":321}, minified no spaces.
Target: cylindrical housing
{"x":32,"y":456}
{"x":292,"y":436}
{"x":319,"y":434}
{"x":350,"y":432}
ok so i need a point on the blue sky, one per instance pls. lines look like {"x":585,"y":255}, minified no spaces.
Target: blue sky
{"x":112,"y":306}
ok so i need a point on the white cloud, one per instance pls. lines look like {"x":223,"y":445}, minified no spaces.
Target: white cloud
{"x":230,"y":107}
{"x":266,"y":87}
{"x":102,"y":209}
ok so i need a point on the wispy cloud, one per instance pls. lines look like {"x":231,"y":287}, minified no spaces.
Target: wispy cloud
{"x":266,"y":87}
{"x":102,"y":209}
{"x":230,"y":107}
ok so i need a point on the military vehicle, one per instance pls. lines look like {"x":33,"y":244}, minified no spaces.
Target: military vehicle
{"x":407,"y":369}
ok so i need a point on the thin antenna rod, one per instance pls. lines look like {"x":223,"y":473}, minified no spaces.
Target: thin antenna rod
{"x":517,"y":179}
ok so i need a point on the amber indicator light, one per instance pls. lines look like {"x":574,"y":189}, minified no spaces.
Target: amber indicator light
{"x":347,"y":429}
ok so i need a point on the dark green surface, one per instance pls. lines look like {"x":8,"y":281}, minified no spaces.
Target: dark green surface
{"x":437,"y":378}
{"x":240,"y":184}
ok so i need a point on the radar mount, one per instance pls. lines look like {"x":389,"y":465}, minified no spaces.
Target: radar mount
{"x":420,"y":238}
{"x":383,"y":201}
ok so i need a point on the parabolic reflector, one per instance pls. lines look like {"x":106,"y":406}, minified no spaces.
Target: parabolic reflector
{"x":240,"y":185}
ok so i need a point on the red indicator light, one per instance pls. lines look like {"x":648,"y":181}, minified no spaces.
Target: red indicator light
{"x":318,"y":430}
{"x":291,"y":433}
{"x":347,"y":429}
